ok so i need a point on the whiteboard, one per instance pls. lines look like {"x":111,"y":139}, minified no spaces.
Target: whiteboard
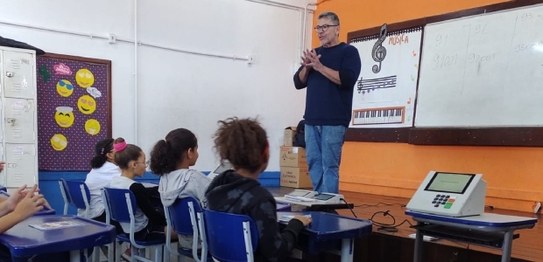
{"x":483,"y":71}
{"x":384,"y":95}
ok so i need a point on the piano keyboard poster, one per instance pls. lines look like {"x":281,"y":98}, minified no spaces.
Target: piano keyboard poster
{"x":384,"y":95}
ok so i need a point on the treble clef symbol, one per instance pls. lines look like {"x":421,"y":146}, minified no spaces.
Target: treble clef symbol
{"x":379,"y":52}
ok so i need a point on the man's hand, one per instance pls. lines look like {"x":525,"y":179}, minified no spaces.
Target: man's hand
{"x":311,"y":59}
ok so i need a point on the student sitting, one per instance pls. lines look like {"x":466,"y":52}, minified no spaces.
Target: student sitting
{"x":171,"y":159}
{"x":103,"y":170}
{"x":243,"y":142}
{"x":131,"y":159}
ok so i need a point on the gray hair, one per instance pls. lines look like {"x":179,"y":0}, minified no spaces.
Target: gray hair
{"x":330,"y":15}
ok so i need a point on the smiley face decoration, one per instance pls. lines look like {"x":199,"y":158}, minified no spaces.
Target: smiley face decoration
{"x":79,"y":103}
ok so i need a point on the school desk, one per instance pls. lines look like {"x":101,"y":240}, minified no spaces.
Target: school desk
{"x":326,"y":229}
{"x":24,"y":240}
{"x":486,"y":229}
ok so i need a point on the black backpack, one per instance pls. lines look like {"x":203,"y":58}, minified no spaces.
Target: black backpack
{"x":299,"y":136}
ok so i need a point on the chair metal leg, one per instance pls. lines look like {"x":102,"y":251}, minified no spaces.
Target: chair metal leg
{"x":118,"y":249}
{"x":96,"y":254}
{"x":133,"y":253}
{"x":165,"y":252}
{"x":111,"y":251}
{"x":158,"y":253}
{"x":177,"y":245}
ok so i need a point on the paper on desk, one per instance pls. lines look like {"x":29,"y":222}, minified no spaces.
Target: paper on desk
{"x":286,"y":218}
{"x":55,"y":225}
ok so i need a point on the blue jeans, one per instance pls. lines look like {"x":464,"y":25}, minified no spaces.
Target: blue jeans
{"x":323,"y":149}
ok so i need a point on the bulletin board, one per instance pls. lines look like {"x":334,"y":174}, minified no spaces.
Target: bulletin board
{"x":384,"y":95}
{"x":74,"y":110}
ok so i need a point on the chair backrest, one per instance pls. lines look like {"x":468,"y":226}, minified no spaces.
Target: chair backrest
{"x":184,"y":216}
{"x":180,"y":216}
{"x":106,"y":206}
{"x":226,"y":231}
{"x":65,"y":196}
{"x":117,"y":201}
{"x":79,"y":193}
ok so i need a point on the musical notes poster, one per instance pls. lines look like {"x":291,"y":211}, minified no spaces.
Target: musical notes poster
{"x":384,"y":95}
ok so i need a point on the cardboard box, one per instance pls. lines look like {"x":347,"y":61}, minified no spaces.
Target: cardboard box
{"x":288,"y":136}
{"x":292,"y":156}
{"x":295,"y":177}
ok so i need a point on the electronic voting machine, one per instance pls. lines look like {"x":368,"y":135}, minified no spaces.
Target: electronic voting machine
{"x":450,"y":194}
{"x":309,"y":198}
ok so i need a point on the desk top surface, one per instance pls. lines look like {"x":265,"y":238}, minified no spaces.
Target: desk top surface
{"x":331,"y":226}
{"x":79,"y":233}
{"x":483,"y":220}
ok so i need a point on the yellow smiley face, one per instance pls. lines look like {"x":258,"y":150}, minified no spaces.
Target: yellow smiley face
{"x":65,"y":88}
{"x":84,"y":77}
{"x":86,"y":104}
{"x":92,"y":127}
{"x":64,"y":116}
{"x":59,"y":142}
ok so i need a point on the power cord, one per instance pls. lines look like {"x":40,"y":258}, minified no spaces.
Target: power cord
{"x":388,"y":227}
{"x":350,"y":208}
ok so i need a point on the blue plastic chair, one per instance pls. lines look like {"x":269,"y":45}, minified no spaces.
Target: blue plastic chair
{"x":226,"y":231}
{"x":79,"y":195}
{"x":121,"y":204}
{"x":185,"y":217}
{"x":65,"y":196}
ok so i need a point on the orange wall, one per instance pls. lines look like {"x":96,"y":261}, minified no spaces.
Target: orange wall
{"x":514,"y":175}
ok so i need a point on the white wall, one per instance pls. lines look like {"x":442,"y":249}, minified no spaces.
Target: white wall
{"x":182,"y":80}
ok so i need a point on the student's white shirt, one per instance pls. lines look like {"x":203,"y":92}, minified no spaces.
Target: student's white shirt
{"x":96,"y":180}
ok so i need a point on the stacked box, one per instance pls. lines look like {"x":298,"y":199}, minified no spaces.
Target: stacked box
{"x":293,"y":165}
{"x":293,"y":156}
{"x":288,"y":136}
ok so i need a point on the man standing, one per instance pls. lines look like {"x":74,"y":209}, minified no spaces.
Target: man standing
{"x":329,"y":72}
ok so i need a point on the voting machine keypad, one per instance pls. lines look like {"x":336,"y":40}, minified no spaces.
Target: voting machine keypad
{"x":445,"y":200}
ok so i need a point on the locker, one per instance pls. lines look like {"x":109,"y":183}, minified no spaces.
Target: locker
{"x":19,"y":71}
{"x":18,"y":125}
{"x":19,"y":122}
{"x":20,"y":161}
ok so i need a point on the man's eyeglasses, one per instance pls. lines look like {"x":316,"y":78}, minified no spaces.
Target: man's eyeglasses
{"x":323,"y":27}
